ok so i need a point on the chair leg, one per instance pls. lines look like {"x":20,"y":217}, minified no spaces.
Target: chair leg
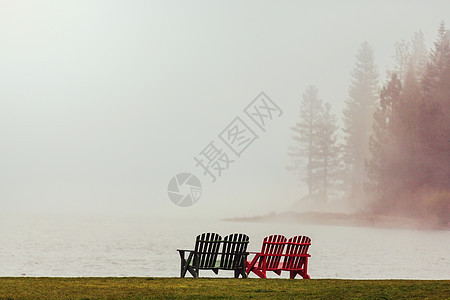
{"x":244,"y":275}
{"x":243,"y":269}
{"x":258,"y":273}
{"x":183,"y":268}
{"x":304,"y":275}
{"x":305,"y":270}
{"x":193,"y":272}
{"x":197,"y":272}
{"x":184,"y":265}
{"x":240,"y":272}
{"x":292,"y":274}
{"x":264,"y":267}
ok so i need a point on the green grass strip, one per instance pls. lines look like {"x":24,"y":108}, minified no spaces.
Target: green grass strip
{"x":219,"y":288}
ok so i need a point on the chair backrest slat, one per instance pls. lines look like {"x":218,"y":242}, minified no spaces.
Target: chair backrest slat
{"x":273,"y":244}
{"x":297,"y":245}
{"x":233,"y":251}
{"x":206,"y":249}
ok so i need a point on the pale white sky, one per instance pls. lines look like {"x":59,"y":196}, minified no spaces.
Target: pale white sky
{"x":102,"y":102}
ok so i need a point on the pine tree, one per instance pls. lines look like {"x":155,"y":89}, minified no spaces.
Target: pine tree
{"x":433,"y":78}
{"x":407,"y":130}
{"x":382,"y":141}
{"x":327,"y":150}
{"x":418,"y":54}
{"x":435,"y":129}
{"x":410,"y":54}
{"x":358,"y":118}
{"x":305,"y":135}
{"x":401,"y":58}
{"x":409,"y":169}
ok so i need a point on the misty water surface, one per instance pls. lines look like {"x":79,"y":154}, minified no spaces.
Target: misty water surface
{"x":87,"y":246}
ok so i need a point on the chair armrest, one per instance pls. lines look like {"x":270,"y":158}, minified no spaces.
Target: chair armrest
{"x":181,"y":252}
{"x":297,"y":255}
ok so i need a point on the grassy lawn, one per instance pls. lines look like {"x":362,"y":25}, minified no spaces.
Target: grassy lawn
{"x":131,"y":288}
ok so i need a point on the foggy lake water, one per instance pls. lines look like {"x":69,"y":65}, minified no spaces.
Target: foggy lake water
{"x":110,"y":246}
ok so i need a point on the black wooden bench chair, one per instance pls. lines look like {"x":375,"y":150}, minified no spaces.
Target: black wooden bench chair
{"x":211,"y":252}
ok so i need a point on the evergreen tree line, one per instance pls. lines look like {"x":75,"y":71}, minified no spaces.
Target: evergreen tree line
{"x":393,"y":153}
{"x":315,"y":137}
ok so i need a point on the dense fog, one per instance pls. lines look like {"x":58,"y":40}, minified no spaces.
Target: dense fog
{"x":303,"y":106}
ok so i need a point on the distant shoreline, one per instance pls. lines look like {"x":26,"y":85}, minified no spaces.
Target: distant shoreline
{"x":341,"y":219}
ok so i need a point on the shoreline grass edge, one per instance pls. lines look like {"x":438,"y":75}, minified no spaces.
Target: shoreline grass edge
{"x":215,"y":288}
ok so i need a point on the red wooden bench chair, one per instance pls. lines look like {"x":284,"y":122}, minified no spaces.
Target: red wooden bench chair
{"x":269,"y":259}
{"x":296,"y":256}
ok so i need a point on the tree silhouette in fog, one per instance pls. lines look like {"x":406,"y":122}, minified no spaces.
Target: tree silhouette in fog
{"x":315,"y":151}
{"x":358,"y":118}
{"x":410,"y":146}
